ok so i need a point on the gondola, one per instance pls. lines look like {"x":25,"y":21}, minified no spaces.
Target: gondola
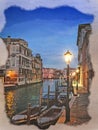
{"x":49,"y":117}
{"x":22,"y":117}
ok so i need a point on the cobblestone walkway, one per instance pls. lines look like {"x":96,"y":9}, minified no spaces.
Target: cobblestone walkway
{"x":79,"y":113}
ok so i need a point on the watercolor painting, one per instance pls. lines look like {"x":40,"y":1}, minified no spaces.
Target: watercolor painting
{"x":48,"y":71}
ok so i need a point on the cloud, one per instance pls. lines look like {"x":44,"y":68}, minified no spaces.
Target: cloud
{"x":83,"y":5}
{"x":86,"y":6}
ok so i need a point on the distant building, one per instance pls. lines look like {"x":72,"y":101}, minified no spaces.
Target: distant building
{"x":51,"y":73}
{"x":71,"y":70}
{"x":18,"y":67}
{"x":58,"y":74}
{"x":48,"y":73}
{"x":37,"y":68}
{"x":84,"y":59}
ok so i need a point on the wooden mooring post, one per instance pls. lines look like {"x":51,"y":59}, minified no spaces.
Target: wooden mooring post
{"x":28,"y":113}
{"x":56,"y":92}
{"x":40,"y":100}
{"x":48,"y":96}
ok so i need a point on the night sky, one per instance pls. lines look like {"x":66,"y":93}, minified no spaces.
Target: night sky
{"x":49,"y":32}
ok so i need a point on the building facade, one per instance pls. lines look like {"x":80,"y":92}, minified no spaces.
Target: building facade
{"x":48,"y":73}
{"x":84,"y":60}
{"x":51,"y":73}
{"x":18,"y":68}
{"x":37,"y":68}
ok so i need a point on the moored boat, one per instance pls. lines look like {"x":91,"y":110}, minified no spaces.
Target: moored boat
{"x":49,"y":117}
{"x":22,"y":117}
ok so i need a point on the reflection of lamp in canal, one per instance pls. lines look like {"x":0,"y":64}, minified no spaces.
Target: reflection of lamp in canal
{"x":10,"y":104}
{"x":68,"y":58}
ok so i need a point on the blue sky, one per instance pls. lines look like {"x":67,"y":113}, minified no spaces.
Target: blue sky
{"x":49,"y":32}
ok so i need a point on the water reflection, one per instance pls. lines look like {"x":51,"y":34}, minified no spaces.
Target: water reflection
{"x":10,"y":104}
{"x":50,"y":82}
{"x":17,"y":100}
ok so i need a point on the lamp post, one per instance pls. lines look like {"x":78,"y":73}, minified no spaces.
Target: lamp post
{"x":68,"y":57}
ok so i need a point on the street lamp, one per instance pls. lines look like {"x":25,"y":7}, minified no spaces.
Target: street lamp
{"x":68,"y":58}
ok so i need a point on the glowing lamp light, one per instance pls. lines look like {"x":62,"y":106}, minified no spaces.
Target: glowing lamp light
{"x":68,"y":57}
{"x":11,"y":73}
{"x":73,"y":74}
{"x":77,"y":70}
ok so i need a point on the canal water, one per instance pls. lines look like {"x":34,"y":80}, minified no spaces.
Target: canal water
{"x":17,"y":100}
